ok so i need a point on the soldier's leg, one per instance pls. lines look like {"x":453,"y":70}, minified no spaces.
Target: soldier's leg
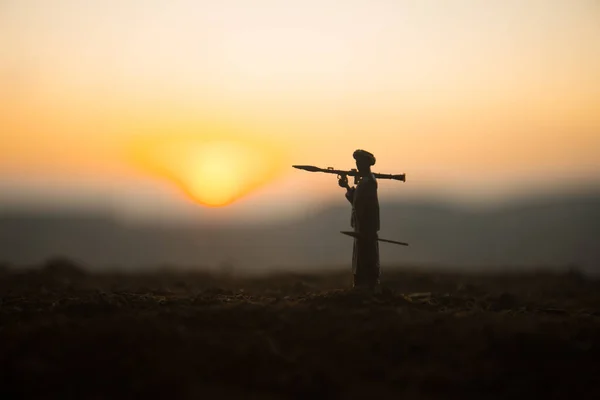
{"x":377,"y":264}
{"x":366,"y":263}
{"x":355,"y":277}
{"x":372,"y":256}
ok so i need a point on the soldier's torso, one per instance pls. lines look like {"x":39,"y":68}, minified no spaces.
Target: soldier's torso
{"x":365,"y":205}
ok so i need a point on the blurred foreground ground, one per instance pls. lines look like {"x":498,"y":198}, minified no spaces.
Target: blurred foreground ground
{"x":65,"y":333}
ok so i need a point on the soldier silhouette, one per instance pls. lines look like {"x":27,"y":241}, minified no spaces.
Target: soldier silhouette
{"x":365,"y":221}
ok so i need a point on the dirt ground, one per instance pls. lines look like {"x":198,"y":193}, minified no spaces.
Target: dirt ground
{"x":65,"y":333}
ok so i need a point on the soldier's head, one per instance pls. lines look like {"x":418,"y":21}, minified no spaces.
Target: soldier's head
{"x":364,"y":160}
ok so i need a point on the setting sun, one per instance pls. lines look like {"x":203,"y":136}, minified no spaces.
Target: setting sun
{"x":211,"y":172}
{"x":155,"y":110}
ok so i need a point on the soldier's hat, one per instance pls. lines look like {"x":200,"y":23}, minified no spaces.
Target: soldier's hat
{"x":365,"y":155}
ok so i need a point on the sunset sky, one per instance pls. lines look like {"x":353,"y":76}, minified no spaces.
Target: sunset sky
{"x":164,"y":108}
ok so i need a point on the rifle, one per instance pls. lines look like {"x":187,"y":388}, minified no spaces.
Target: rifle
{"x":353,"y":172}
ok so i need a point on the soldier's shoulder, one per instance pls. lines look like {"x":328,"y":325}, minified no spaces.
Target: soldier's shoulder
{"x":368,"y":181}
{"x":371,"y":179}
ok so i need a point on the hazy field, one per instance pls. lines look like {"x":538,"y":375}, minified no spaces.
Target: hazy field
{"x":558,"y":230}
{"x":64,"y":332}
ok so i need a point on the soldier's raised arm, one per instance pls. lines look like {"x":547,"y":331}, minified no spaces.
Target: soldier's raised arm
{"x":350,"y":194}
{"x":343,"y":182}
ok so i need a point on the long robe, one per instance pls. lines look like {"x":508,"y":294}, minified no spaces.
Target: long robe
{"x":365,"y":221}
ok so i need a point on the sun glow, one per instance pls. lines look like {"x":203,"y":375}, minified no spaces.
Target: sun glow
{"x":213,"y":172}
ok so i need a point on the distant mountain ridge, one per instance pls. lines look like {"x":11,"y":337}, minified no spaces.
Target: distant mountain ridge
{"x":538,"y":231}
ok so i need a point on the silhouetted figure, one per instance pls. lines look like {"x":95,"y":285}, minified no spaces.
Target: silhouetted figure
{"x":365,"y":221}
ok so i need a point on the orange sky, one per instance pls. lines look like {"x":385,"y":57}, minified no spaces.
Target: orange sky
{"x":471,"y":99}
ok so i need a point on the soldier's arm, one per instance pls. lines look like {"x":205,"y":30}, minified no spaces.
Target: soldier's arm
{"x":350,"y":194}
{"x":343,"y":182}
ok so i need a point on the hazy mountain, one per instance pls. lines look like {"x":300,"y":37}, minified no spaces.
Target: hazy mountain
{"x":550,"y":231}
